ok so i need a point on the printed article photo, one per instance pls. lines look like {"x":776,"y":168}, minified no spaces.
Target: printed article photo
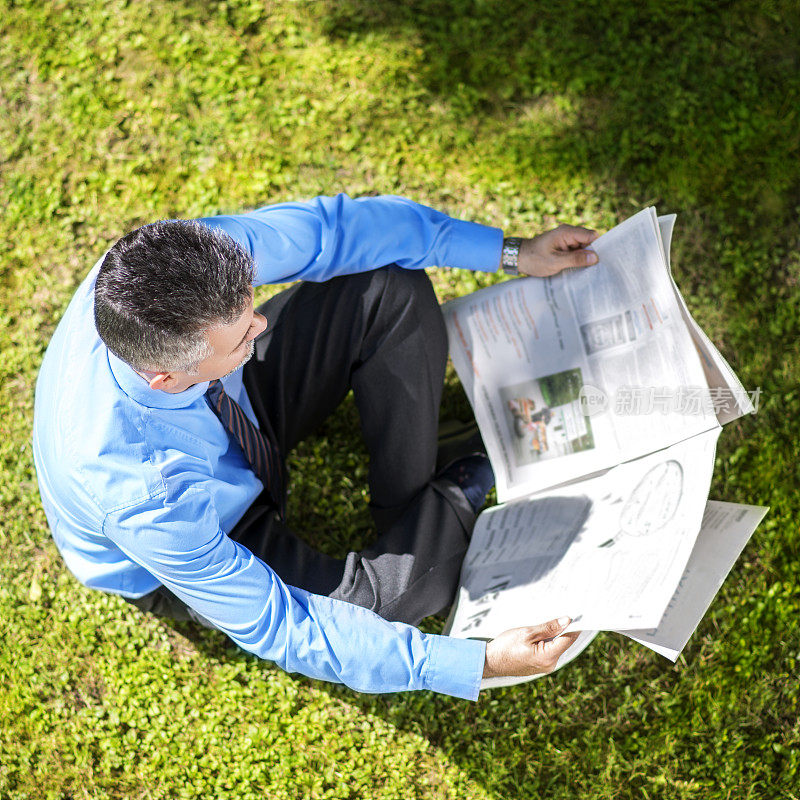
{"x":604,"y":334}
{"x":545,"y":418}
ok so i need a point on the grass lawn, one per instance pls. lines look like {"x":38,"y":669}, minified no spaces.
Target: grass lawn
{"x":517,"y":114}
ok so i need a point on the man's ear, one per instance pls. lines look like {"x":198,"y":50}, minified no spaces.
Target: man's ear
{"x":164,"y":381}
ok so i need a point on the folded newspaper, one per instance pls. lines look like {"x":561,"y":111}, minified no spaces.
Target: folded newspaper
{"x":600,"y":401}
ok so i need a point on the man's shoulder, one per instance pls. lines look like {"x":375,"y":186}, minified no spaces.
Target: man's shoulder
{"x":92,"y":439}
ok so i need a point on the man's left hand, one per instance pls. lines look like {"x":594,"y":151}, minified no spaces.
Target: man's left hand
{"x":560,"y":248}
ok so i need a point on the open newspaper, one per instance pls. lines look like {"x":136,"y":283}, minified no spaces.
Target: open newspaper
{"x":600,"y":401}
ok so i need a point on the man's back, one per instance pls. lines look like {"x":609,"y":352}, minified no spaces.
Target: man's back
{"x":76,"y":425}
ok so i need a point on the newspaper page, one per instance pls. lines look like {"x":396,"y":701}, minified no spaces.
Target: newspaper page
{"x":576,"y":373}
{"x":725,"y":531}
{"x":607,"y":551}
{"x":729,"y":399}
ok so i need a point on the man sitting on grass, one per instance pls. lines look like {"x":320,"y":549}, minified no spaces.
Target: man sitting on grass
{"x":166,"y":405}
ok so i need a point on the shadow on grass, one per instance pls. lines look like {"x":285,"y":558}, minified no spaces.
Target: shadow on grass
{"x":683,"y":100}
{"x":519,"y":741}
{"x":691,"y":106}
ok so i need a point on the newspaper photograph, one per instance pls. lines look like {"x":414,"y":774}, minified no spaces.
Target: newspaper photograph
{"x":545,"y":417}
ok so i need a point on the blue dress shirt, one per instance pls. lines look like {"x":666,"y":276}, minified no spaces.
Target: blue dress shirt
{"x":140,"y":487}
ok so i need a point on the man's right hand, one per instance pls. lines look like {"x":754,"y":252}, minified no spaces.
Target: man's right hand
{"x":527,"y":651}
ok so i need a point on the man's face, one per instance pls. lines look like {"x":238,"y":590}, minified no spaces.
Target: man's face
{"x":231,"y":346}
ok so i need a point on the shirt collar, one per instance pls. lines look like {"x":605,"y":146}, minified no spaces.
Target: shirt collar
{"x":137,"y":388}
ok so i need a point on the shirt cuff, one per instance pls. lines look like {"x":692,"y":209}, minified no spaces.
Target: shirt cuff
{"x":474,"y":246}
{"x":455,"y":666}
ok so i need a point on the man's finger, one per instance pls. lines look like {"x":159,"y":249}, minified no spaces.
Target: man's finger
{"x":577,"y":258}
{"x":572,"y":236}
{"x":546,"y":630}
{"x":557,"y":647}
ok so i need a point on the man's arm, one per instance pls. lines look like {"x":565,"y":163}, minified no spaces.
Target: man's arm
{"x":178,"y":540}
{"x":330,"y":236}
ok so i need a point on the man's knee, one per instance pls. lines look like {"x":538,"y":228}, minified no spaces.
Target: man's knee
{"x":411,"y":291}
{"x":410,"y":284}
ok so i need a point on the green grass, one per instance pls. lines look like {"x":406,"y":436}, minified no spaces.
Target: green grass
{"x":516,"y":113}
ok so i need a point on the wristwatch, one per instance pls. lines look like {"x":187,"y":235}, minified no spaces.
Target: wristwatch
{"x":509,"y":259}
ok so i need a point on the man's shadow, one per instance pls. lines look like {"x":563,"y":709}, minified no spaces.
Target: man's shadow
{"x":505,"y":741}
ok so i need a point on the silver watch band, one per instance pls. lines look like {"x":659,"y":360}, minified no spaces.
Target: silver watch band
{"x":509,"y":259}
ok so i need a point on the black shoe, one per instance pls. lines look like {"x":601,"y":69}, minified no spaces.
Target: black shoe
{"x":474,"y":476}
{"x":458,"y":440}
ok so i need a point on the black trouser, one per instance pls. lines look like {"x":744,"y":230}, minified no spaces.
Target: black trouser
{"x":380,"y":334}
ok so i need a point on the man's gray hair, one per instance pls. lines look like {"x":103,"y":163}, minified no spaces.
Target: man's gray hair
{"x":162,"y":287}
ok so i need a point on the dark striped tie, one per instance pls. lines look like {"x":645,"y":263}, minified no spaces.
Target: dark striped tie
{"x":260,"y":452}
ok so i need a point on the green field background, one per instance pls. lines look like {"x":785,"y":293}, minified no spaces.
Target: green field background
{"x":517,"y":114}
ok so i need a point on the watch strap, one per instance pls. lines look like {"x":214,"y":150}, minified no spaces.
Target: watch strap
{"x":509,"y":259}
